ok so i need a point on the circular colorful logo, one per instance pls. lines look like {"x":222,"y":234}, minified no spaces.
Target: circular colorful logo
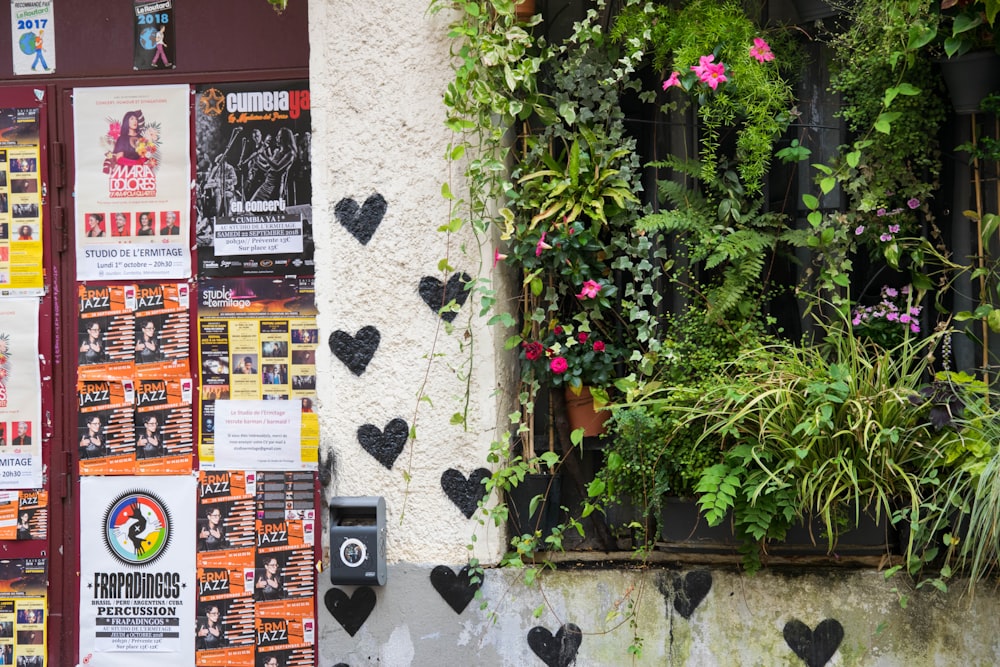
{"x":137,"y":528}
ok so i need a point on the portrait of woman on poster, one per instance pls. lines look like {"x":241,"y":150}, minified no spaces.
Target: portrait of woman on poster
{"x":275,"y":166}
{"x":24,"y":528}
{"x":209,"y":634}
{"x":147,"y":349}
{"x":122,"y":226}
{"x":91,"y":440}
{"x":212,"y":535}
{"x":133,"y":125}
{"x":95,"y":225}
{"x":149,"y":444}
{"x":92,"y":347}
{"x":25,"y":233}
{"x":145,"y":225}
{"x":268,"y":584}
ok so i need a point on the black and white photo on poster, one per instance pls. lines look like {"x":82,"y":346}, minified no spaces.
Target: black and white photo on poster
{"x":254,"y":163}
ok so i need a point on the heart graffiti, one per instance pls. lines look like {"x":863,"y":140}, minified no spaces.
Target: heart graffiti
{"x":559,"y":650}
{"x":350,"y":611}
{"x":355,"y":351}
{"x":437,"y":295}
{"x":458,"y":590}
{"x":385,"y":445}
{"x":465,"y":493}
{"x":815,"y":647}
{"x":362,"y":221}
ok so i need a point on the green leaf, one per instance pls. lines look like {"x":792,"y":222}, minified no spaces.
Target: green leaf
{"x":811,"y":202}
{"x":827,"y":184}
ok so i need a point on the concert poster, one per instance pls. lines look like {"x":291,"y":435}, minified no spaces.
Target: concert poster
{"x":254,"y":164}
{"x":20,"y":395}
{"x":106,"y":427}
{"x":162,"y":329}
{"x":106,"y":333}
{"x":164,"y":426}
{"x":24,"y":515}
{"x":132,"y":182}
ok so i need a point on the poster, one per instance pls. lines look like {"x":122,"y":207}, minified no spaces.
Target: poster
{"x":21,"y":205}
{"x":162,"y":329}
{"x":256,"y":568}
{"x":24,"y":515}
{"x":154,"y":35}
{"x":23,"y":611}
{"x":261,"y":434}
{"x":138,"y":577}
{"x":254,"y":198}
{"x":106,"y":426}
{"x":33,"y":33}
{"x":20,"y":395}
{"x":106,"y":335}
{"x":164,"y":426}
{"x":132,"y":178}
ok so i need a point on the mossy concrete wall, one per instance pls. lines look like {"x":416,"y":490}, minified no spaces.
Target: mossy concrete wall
{"x":396,"y":368}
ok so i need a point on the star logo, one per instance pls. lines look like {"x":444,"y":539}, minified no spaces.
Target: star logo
{"x":212,"y":101}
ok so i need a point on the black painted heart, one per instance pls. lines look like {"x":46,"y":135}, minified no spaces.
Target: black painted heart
{"x":458,"y":590}
{"x":350,"y":611}
{"x":385,"y":445}
{"x":362,"y":221}
{"x":559,"y":650}
{"x":355,"y":351}
{"x":465,"y":493}
{"x":690,"y":590}
{"x":437,"y":295}
{"x":815,"y":647}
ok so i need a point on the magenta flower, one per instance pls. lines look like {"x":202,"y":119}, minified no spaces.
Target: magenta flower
{"x":885,"y":238}
{"x":710,"y":72}
{"x":542,"y":245}
{"x":761,"y":50}
{"x":913,"y":202}
{"x":498,"y":257}
{"x":859,"y":230}
{"x":893,"y":229}
{"x":598,"y":346}
{"x":558,"y":365}
{"x":582,"y":337}
{"x":890,"y":292}
{"x":673,"y":80}
{"x":589,"y":290}
{"x":881,"y":212}
{"x":915,"y":327}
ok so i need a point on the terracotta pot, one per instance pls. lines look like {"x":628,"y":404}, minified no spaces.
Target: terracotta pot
{"x":970,"y":78}
{"x":524,"y":9}
{"x":581,"y":413}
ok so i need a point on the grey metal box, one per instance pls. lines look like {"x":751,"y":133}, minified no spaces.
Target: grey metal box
{"x":357,"y":540}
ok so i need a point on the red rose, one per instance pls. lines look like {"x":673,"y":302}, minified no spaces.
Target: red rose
{"x":582,"y":337}
{"x":533,"y":351}
{"x":558,"y":365}
{"x":598,"y":346}
{"x":557,"y":330}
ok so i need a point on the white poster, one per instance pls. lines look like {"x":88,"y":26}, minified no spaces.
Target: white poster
{"x":261,"y":435}
{"x":20,"y":395}
{"x":137,"y":571}
{"x":34,"y":37}
{"x":133,"y":174}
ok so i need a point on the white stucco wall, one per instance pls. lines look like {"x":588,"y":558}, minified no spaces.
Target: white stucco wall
{"x":378,"y":71}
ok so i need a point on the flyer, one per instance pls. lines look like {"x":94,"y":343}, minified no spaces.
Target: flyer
{"x":164,"y":426}
{"x":23,"y":611}
{"x":154,"y":35}
{"x":106,"y":427}
{"x":24,"y":515}
{"x":138,"y":579}
{"x":106,"y":334}
{"x":254,"y":198}
{"x":132,"y":182}
{"x":20,"y":395}
{"x":21,"y":203}
{"x":162,"y":330}
{"x":33,"y":33}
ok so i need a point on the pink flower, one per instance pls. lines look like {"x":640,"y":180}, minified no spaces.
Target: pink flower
{"x":893,"y":229}
{"x":915,"y":327}
{"x":885,"y":238}
{"x":589,"y":290}
{"x":761,"y":50}
{"x":673,"y":80}
{"x":913,"y":202}
{"x":891,"y":292}
{"x":709,"y":72}
{"x":498,"y":257}
{"x":598,"y":346}
{"x":881,"y":212}
{"x":558,"y":365}
{"x":542,"y":245}
{"x":859,"y":230}
{"x":582,"y":337}
{"x":905,"y":318}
